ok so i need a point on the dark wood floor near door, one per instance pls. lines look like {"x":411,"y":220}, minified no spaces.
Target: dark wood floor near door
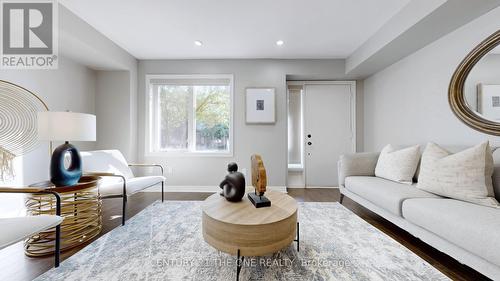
{"x":16,"y":266}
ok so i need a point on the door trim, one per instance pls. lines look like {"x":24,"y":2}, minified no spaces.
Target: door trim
{"x":353,"y":115}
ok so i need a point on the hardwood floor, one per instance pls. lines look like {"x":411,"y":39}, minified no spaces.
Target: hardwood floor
{"x":16,"y":266}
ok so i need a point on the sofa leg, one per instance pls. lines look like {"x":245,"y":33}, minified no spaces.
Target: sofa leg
{"x":162,"y":193}
{"x":57,"y":246}
{"x":341,"y":198}
{"x":57,"y":251}
{"x":124,"y":207}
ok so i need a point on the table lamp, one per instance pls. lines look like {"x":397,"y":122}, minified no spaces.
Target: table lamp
{"x":66,"y":126}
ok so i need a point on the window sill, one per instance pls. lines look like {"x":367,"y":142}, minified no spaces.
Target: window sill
{"x":295,"y":168}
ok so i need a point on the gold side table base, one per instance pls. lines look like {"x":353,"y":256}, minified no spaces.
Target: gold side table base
{"x":81,"y":210}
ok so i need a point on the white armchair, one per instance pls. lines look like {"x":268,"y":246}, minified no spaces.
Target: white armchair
{"x":118,"y":179}
{"x":13,"y":230}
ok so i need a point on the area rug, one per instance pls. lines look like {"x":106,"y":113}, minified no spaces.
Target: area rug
{"x":164,"y":242}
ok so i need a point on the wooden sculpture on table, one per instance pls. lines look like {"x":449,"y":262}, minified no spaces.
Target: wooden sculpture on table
{"x":259,"y":182}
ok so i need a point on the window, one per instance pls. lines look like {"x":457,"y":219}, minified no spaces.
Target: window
{"x":190,"y":114}
{"x":295,"y":124}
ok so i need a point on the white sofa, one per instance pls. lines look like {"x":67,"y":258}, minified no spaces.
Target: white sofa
{"x":118,"y":179}
{"x":13,"y":230}
{"x":467,"y":232}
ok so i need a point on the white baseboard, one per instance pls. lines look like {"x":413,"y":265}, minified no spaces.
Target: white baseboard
{"x":326,"y":187}
{"x":309,"y":187}
{"x":202,"y":188}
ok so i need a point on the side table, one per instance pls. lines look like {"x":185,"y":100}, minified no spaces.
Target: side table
{"x":80,"y":208}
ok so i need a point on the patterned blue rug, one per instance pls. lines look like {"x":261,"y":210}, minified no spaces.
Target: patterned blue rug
{"x":164,"y":242}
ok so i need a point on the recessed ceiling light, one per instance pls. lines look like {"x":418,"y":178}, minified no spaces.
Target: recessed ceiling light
{"x":280,"y":42}
{"x":198,"y":43}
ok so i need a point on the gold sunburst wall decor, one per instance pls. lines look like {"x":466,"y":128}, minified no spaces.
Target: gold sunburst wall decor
{"x":18,"y":124}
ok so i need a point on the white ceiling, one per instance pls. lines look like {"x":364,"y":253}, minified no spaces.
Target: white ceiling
{"x":155,"y":29}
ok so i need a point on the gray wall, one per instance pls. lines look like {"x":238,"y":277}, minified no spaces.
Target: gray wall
{"x":116,"y":99}
{"x":268,"y":140}
{"x":407,"y":103}
{"x":113,"y":111}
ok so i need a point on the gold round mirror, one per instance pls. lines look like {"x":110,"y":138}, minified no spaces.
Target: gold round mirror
{"x":474,"y":93}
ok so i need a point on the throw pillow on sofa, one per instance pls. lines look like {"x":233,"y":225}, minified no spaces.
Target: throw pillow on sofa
{"x":466,"y":175}
{"x":398,"y":165}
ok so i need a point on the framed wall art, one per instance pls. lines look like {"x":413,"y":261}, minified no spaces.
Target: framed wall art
{"x":488,"y":101}
{"x":260,"y":106}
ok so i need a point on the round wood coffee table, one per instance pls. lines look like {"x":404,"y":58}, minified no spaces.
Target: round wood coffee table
{"x":243,"y":230}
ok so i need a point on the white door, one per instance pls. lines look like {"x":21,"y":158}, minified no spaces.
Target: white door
{"x":328,"y":130}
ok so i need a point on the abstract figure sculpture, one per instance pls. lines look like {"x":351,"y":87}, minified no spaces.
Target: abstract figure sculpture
{"x":259,"y":182}
{"x":233,"y":186}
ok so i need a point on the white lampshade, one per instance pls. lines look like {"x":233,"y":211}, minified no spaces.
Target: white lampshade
{"x":66,"y":126}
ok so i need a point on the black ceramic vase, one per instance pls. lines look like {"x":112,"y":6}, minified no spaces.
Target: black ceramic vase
{"x":59,"y":175}
{"x":233,"y":186}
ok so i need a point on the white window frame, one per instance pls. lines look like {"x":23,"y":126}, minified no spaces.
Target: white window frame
{"x":151,"y":135}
